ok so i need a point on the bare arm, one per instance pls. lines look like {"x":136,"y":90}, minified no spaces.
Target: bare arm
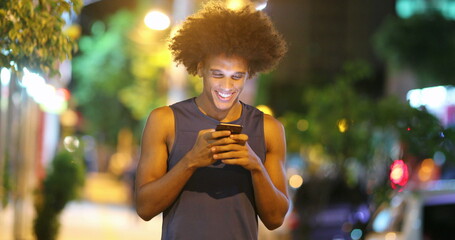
{"x":269,"y":181}
{"x":157,"y":189}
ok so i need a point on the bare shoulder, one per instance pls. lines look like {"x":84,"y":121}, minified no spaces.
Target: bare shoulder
{"x":272,"y":124}
{"x":161,"y":116}
{"x":160,"y":122}
{"x":162,"y":113}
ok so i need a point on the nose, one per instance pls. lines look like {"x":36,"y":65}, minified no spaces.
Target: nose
{"x":226,"y":83}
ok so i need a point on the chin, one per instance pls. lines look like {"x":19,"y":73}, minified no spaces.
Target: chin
{"x":224,"y":104}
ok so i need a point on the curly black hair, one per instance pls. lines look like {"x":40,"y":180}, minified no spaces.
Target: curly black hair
{"x":216,"y":30}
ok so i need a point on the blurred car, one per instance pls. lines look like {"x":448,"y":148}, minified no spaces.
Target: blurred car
{"x":329,"y":209}
{"x":427,"y":213}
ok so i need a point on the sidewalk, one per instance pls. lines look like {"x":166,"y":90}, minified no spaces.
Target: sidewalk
{"x":105,"y":214}
{"x":87,"y":220}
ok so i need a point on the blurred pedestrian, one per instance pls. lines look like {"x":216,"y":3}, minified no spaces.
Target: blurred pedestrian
{"x":214,"y":184}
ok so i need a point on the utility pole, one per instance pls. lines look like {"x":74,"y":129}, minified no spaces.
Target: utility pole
{"x":177,"y":74}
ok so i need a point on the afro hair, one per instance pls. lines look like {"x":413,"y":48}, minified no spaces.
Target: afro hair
{"x":216,"y":30}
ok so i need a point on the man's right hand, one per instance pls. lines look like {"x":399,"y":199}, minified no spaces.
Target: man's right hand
{"x":201,"y":154}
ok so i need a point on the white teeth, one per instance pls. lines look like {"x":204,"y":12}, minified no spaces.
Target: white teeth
{"x":224,"y":95}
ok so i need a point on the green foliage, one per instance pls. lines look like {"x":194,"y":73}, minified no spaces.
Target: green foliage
{"x":420,"y":131}
{"x":120,"y":68}
{"x":263,"y":84}
{"x":60,"y":186}
{"x":424,"y":43}
{"x":31,"y":34}
{"x":101,"y":69}
{"x":351,"y":127}
{"x":99,"y":72}
{"x":343,"y":133}
{"x":334,"y":107}
{"x":149,"y":86}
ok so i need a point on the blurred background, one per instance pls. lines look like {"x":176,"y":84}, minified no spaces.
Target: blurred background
{"x":365,"y":94}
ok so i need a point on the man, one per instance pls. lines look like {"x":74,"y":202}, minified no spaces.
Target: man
{"x":213,"y":184}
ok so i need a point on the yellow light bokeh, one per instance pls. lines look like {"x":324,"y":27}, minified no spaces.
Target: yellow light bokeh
{"x":391,"y":236}
{"x":265,"y":109}
{"x":426,"y":169}
{"x":235,"y":4}
{"x":295,"y":181}
{"x":343,"y":125}
{"x":302,"y":125}
{"x":68,"y":118}
{"x":157,"y":20}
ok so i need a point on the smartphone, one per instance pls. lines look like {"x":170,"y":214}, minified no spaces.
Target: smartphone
{"x":234,"y":128}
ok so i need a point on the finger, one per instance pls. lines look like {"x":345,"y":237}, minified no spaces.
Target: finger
{"x":229,"y":155}
{"x":239,"y":137}
{"x":206,"y":133}
{"x":226,"y":148}
{"x":221,"y":134}
{"x":225,"y":156}
{"x":232,"y":161}
{"x":223,"y":141}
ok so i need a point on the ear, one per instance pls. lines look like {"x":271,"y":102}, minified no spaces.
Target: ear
{"x":200,"y":69}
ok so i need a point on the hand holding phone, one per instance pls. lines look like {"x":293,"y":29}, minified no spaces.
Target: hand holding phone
{"x":234,"y":128}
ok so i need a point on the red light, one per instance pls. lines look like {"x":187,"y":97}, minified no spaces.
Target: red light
{"x":65,"y":93}
{"x":398,"y":173}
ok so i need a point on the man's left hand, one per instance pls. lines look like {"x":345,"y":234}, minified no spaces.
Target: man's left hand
{"x":237,"y":151}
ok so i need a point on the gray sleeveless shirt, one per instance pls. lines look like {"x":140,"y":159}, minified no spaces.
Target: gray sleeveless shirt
{"x":218,"y":201}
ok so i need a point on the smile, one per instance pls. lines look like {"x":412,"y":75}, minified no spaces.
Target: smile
{"x":224,"y":95}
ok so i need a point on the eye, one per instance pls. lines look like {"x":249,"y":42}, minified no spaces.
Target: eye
{"x":238,"y":76}
{"x":217,"y":74}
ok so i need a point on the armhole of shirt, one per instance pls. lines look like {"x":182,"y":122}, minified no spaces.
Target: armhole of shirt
{"x":264,"y":136}
{"x":176,"y":136}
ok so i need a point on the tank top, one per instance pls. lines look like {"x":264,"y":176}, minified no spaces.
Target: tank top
{"x":218,"y":200}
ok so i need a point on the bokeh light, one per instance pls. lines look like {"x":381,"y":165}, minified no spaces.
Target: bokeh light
{"x":302,"y":125}
{"x":295,"y":181}
{"x":265,"y":109}
{"x":71,"y":143}
{"x":391,"y":236}
{"x":157,"y":20}
{"x":5,"y":76}
{"x":439,"y":158}
{"x":261,"y":6}
{"x":381,"y":222}
{"x":426,"y":170}
{"x":234,"y":4}
{"x":343,"y":125}
{"x":356,"y":234}
{"x":399,"y":173}
{"x":69,"y":118}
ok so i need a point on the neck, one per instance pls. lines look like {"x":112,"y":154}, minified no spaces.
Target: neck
{"x":228,"y":115}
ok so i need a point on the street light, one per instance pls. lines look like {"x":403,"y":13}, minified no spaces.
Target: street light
{"x":157,"y":20}
{"x":237,"y":4}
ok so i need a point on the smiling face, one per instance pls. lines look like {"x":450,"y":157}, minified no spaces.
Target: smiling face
{"x":224,"y":78}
